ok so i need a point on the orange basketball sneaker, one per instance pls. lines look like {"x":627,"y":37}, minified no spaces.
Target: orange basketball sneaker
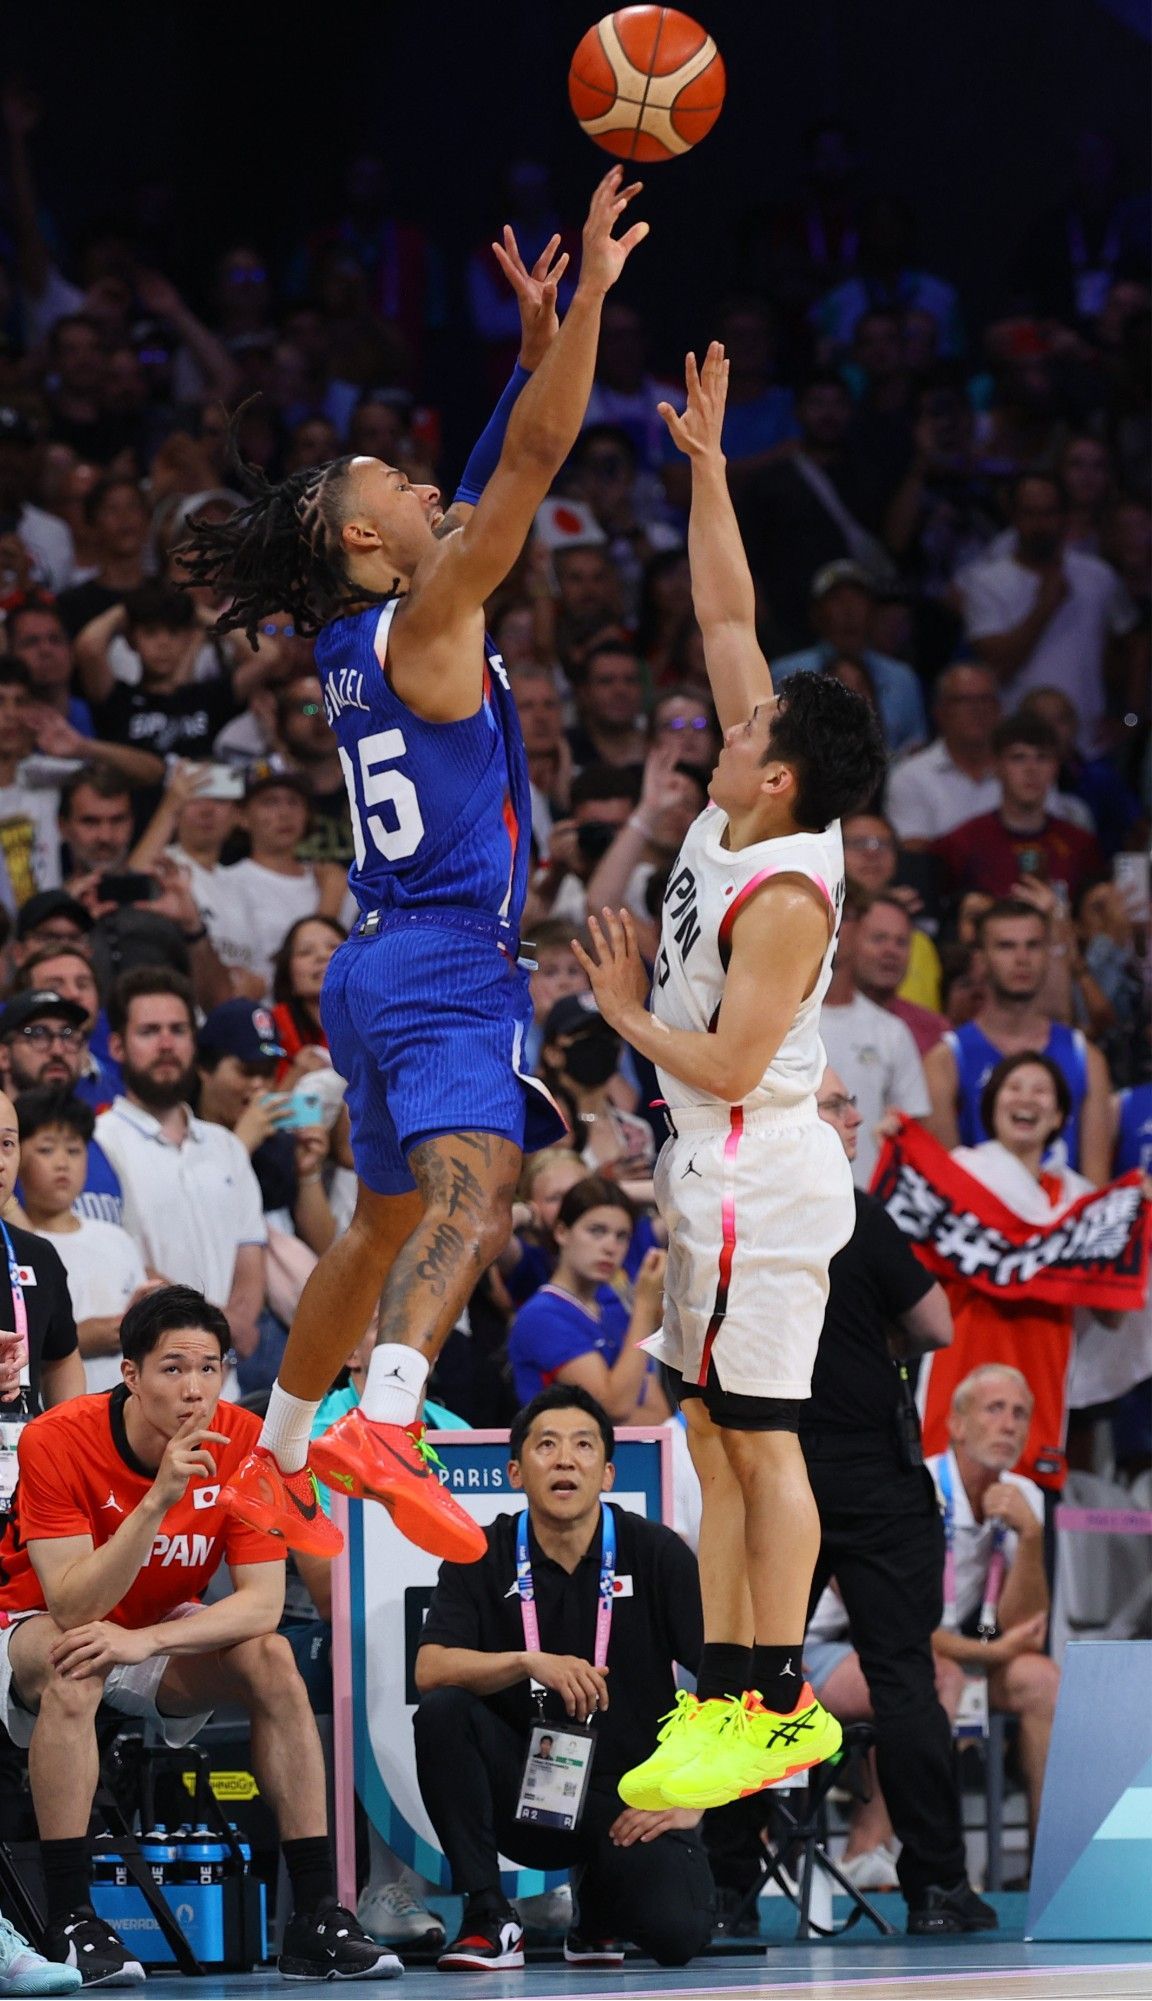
{"x":383,"y":1462}
{"x":263,"y":1496}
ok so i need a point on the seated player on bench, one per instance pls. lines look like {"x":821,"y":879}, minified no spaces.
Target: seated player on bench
{"x":115,"y":1530}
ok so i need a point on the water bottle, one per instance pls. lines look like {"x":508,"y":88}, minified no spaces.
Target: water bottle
{"x":207,"y":1855}
{"x":160,"y":1853}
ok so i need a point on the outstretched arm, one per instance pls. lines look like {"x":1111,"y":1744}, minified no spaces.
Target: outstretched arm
{"x":433,"y":667}
{"x":536,"y":298}
{"x":722,"y":588}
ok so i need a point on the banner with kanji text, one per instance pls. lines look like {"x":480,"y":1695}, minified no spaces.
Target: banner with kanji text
{"x":1094,"y":1254}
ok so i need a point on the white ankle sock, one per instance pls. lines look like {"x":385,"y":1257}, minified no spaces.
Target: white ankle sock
{"x":288,"y":1429}
{"x":395,"y":1385}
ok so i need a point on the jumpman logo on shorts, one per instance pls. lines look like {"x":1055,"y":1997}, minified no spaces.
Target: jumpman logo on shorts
{"x":692,"y":1169}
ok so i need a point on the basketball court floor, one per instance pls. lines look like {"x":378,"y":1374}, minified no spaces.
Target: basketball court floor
{"x":997,"y":1967}
{"x":896,"y":1970}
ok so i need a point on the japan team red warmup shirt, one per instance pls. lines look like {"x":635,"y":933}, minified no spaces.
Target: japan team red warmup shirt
{"x":80,"y":1476}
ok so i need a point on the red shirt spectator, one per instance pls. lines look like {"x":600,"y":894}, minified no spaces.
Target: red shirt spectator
{"x":987,"y":854}
{"x":995,"y":851}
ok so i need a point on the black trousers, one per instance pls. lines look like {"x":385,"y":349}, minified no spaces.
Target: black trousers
{"x":883,"y":1541}
{"x":469,"y":1763}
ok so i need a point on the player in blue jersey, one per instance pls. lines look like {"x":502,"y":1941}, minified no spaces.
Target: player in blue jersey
{"x":1015,"y":939}
{"x":426,"y":1005}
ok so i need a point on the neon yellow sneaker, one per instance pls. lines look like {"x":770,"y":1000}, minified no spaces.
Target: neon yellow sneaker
{"x":755,"y":1748}
{"x":688,"y":1728}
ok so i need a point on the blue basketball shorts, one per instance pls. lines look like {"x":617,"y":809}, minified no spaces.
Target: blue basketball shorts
{"x":426,"y":1021}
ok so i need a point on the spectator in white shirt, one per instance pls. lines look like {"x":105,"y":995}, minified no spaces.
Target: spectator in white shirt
{"x":198,"y":810}
{"x":988,"y":1425}
{"x":191,"y":1199}
{"x":872,"y":1050}
{"x":105,"y":1268}
{"x":1043,"y":615}
{"x":952,"y":779}
{"x":272,"y":888}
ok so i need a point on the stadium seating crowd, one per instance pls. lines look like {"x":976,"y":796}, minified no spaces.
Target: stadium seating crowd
{"x":955,"y":520}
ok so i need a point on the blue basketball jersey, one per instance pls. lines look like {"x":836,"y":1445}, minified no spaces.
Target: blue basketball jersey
{"x":441,"y":812}
{"x":976,"y":1058}
{"x":1134,"y":1134}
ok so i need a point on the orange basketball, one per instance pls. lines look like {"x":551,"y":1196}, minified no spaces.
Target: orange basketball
{"x":647,"y":83}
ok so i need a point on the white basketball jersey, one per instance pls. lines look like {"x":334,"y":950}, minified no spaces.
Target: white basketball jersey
{"x":707,"y":888}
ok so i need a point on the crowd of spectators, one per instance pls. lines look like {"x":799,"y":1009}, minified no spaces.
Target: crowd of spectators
{"x":955,"y":521}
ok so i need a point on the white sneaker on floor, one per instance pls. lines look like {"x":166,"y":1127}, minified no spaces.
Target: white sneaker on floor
{"x":395,"y":1917}
{"x":549,"y":1912}
{"x":875,"y":1869}
{"x":25,"y":1971}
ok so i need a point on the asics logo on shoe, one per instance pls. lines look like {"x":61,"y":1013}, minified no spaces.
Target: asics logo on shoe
{"x":789,"y":1733}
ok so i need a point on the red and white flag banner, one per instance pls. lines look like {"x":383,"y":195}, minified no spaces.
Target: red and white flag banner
{"x":1094,"y":1254}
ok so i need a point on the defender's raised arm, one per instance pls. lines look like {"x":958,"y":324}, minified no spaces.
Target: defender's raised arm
{"x":722,"y":589}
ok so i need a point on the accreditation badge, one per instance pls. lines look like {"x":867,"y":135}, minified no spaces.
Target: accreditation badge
{"x":972,"y":1713}
{"x":554,"y":1786}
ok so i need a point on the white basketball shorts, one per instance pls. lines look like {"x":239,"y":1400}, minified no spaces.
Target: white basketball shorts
{"x":756,"y":1205}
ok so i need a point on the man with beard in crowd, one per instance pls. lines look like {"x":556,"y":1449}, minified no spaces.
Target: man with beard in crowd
{"x":191,"y":1199}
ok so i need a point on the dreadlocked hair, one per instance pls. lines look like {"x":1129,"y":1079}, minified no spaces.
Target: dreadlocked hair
{"x":280,"y":553}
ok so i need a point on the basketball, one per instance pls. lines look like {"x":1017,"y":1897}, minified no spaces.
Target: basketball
{"x":647,"y":83}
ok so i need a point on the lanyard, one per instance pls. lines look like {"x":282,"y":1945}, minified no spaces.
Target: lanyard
{"x":527,"y":1589}
{"x":19,"y":1310}
{"x":993,"y":1582}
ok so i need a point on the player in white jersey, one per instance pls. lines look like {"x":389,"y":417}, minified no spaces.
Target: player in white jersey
{"x":754,"y":1188}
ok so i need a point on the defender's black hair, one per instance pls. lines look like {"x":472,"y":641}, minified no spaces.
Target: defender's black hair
{"x":832,"y":740}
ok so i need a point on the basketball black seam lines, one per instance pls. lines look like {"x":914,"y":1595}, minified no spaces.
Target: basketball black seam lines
{"x":639,"y":125}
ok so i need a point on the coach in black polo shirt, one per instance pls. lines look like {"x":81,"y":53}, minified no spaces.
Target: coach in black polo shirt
{"x":642,"y":1876}
{"x":881,"y":1535}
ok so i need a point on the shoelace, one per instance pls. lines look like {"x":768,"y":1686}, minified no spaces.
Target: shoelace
{"x":11,"y":1941}
{"x":738,"y":1722}
{"x":400,"y":1901}
{"x":428,"y":1453}
{"x":337,"y":1918}
{"x":684,"y":1707}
